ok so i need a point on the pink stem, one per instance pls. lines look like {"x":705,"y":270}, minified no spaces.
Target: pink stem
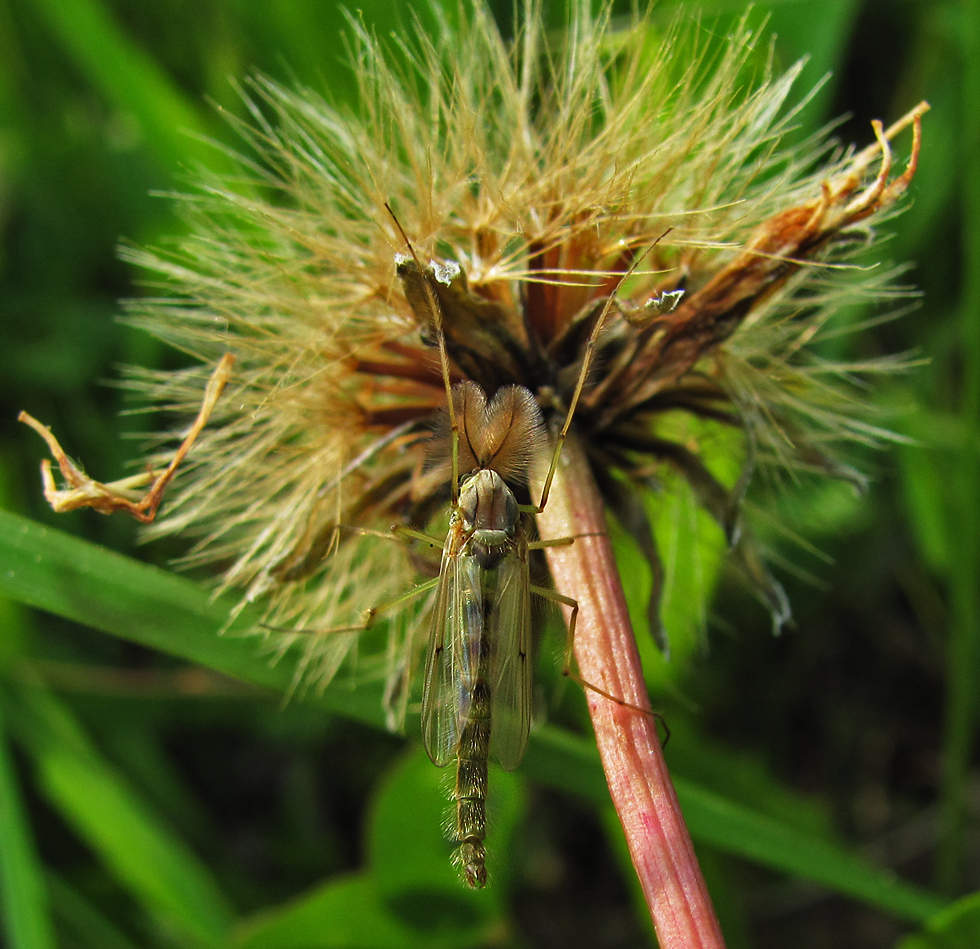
{"x":606,"y":655}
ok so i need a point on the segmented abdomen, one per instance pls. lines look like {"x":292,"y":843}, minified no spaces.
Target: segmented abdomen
{"x":470,"y":791}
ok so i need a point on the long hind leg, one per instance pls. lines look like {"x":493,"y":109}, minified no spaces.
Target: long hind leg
{"x":567,"y":665}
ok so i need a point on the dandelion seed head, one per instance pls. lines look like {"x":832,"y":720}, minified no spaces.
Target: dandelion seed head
{"x":529,"y":175}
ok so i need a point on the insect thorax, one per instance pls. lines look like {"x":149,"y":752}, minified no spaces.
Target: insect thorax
{"x":489,"y":515}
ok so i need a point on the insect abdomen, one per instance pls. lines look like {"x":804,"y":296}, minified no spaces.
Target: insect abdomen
{"x":470,"y":792}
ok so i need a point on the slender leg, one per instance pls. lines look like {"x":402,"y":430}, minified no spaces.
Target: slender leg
{"x":567,"y":669}
{"x":370,"y":615}
{"x":551,"y":542}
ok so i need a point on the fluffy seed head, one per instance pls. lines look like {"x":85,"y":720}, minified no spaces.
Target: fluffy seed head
{"x":528,"y":175}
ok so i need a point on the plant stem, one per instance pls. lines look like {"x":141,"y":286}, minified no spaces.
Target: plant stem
{"x":629,"y":745}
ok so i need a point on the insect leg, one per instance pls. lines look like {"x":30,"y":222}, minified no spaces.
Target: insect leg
{"x":370,"y":615}
{"x":567,"y":669}
{"x":551,"y":542}
{"x":431,"y":314}
{"x":590,"y":348}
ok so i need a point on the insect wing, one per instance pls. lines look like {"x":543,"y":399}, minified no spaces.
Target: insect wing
{"x":453,"y":658}
{"x":509,"y":632}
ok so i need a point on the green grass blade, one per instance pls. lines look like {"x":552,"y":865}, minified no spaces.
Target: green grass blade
{"x":143,"y":854}
{"x":128,"y":78}
{"x":572,"y":763}
{"x":92,"y":585}
{"x":134,"y":845}
{"x":956,"y":927}
{"x":59,"y":573}
{"x":964,"y":647}
{"x":88,"y":926}
{"x":26,"y":922}
{"x":737,"y":829}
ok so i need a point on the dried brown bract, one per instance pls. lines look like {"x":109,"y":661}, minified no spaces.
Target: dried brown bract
{"x":123,"y":495}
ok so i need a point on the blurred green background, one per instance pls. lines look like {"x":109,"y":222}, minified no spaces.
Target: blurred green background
{"x":148,"y":799}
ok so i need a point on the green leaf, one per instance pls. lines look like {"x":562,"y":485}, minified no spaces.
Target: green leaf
{"x":346,"y":913}
{"x":410,"y":895}
{"x":410,"y":854}
{"x":23,"y":894}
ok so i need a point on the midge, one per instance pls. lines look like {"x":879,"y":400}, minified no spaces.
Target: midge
{"x":476,"y":699}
